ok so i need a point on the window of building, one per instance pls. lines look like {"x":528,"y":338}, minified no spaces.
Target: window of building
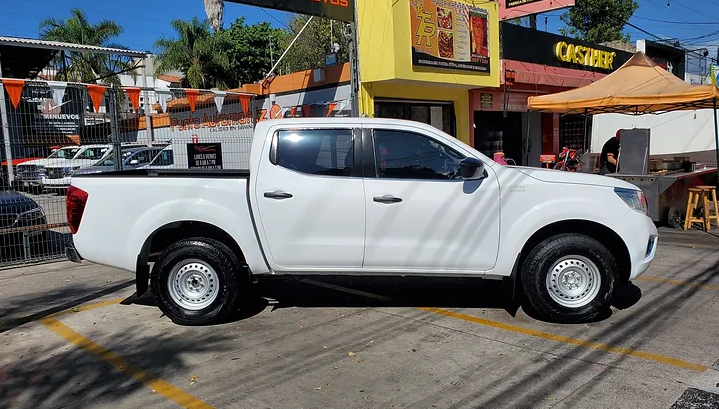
{"x":407,"y":155}
{"x":438,"y":114}
{"x":326,"y":152}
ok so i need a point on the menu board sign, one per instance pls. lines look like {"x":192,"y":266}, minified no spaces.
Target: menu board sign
{"x":449,"y":34}
{"x":204,"y":155}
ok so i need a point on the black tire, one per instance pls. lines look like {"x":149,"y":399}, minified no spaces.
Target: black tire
{"x":674,"y":218}
{"x":540,"y":261}
{"x":233,"y":280}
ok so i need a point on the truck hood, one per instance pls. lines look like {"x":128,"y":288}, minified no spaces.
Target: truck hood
{"x":558,"y":176}
{"x":42,"y":162}
{"x":71,"y":163}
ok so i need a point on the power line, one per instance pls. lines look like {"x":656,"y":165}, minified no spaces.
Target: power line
{"x":675,"y":22}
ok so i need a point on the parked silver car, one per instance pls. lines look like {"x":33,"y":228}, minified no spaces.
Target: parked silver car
{"x":131,"y":158}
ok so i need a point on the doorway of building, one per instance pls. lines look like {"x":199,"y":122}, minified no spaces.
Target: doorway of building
{"x":438,"y":114}
{"x":494,"y":132}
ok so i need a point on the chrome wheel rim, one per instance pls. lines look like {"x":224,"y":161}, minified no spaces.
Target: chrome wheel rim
{"x":574,"y":281}
{"x":193,"y":284}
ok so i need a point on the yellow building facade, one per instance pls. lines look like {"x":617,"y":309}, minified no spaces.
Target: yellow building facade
{"x":418,"y":59}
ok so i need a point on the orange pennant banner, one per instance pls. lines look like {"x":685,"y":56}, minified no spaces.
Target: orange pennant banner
{"x":192,"y":95}
{"x":331,"y":108}
{"x":14,"y":90}
{"x":134,"y":95}
{"x":306,"y":110}
{"x":74,"y":138}
{"x":97,"y":92}
{"x":245,"y":101}
{"x":293,"y":111}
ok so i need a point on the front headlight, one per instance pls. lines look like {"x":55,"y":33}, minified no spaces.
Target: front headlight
{"x":633,"y":198}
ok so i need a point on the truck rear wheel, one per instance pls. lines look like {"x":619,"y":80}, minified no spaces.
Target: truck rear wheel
{"x":197,"y":281}
{"x":569,"y":278}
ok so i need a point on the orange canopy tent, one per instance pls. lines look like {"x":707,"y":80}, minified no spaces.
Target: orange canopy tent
{"x":639,"y":86}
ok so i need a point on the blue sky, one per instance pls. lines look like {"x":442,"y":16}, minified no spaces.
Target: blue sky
{"x":146,"y":20}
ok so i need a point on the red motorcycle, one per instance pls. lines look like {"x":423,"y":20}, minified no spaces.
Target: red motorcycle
{"x":569,"y":160}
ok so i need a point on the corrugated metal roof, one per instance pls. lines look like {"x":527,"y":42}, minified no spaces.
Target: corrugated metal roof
{"x":56,"y":45}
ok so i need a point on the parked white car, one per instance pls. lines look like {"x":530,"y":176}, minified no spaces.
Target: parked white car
{"x":362,"y":196}
{"x":58,"y":174}
{"x":30,"y":174}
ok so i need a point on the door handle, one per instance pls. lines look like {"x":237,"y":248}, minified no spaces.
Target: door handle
{"x":387,"y":199}
{"x":278,"y":194}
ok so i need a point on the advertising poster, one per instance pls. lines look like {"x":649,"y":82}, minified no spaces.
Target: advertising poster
{"x":450,"y":35}
{"x":204,"y":155}
{"x":45,"y":114}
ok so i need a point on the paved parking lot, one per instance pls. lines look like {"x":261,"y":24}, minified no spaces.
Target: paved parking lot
{"x":67,"y":339}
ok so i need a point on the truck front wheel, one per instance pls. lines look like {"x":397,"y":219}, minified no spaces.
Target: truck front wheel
{"x":569,"y":278}
{"x":197,"y":281}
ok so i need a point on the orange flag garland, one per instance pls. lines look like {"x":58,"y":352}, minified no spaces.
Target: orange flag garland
{"x":14,"y":90}
{"x":134,"y":95}
{"x":245,"y":101}
{"x":97,"y":92}
{"x":192,"y":95}
{"x":331,"y":108}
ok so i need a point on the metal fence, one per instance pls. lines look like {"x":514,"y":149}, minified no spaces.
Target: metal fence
{"x":53,"y":131}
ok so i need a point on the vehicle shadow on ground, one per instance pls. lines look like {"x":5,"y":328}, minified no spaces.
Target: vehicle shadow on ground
{"x":366,"y":292}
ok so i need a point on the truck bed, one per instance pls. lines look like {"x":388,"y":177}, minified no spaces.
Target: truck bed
{"x":181,"y":173}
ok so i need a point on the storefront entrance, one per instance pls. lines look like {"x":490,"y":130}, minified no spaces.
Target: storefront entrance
{"x":494,"y":133}
{"x":438,"y":114}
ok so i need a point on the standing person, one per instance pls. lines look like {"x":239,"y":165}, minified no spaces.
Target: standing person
{"x":609,"y":156}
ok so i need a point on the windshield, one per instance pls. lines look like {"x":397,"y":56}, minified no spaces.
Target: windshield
{"x":110,"y":160}
{"x":163,"y":159}
{"x":64,"y":153}
{"x":93,"y":153}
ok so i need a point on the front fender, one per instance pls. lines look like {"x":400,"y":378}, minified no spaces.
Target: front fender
{"x":518,"y":230}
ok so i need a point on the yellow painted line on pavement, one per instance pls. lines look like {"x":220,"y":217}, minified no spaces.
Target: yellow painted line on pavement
{"x":678,"y":282}
{"x":73,"y":310}
{"x":535,"y":333}
{"x":157,"y":385}
{"x":559,"y":338}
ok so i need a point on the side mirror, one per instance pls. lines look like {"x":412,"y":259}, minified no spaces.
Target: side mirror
{"x":134,"y":162}
{"x":471,"y":169}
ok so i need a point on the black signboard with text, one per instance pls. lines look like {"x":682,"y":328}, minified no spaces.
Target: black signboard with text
{"x":204,"y":155}
{"x":44,"y":120}
{"x":342,"y":10}
{"x":533,"y":46}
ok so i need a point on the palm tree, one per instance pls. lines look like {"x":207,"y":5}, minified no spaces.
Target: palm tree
{"x":86,"y":67}
{"x":196,"y":53}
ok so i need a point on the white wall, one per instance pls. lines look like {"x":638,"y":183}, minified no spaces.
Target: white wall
{"x":671,"y":133}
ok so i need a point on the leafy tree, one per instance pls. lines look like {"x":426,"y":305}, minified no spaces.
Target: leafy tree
{"x":86,"y":67}
{"x":251,"y":49}
{"x":309,"y":50}
{"x":197,"y":53}
{"x":598,"y":21}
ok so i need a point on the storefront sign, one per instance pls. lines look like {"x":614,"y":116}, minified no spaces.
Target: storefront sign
{"x":342,"y":10}
{"x":449,"y":34}
{"x":579,"y":54}
{"x":538,"y":47}
{"x":204,"y":155}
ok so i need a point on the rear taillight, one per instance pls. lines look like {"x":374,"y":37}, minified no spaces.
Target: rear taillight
{"x":75,"y":204}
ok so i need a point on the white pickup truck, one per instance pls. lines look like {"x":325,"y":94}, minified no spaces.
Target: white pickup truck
{"x":360,"y":196}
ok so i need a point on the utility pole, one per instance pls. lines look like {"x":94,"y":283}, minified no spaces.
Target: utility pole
{"x":533,"y":21}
